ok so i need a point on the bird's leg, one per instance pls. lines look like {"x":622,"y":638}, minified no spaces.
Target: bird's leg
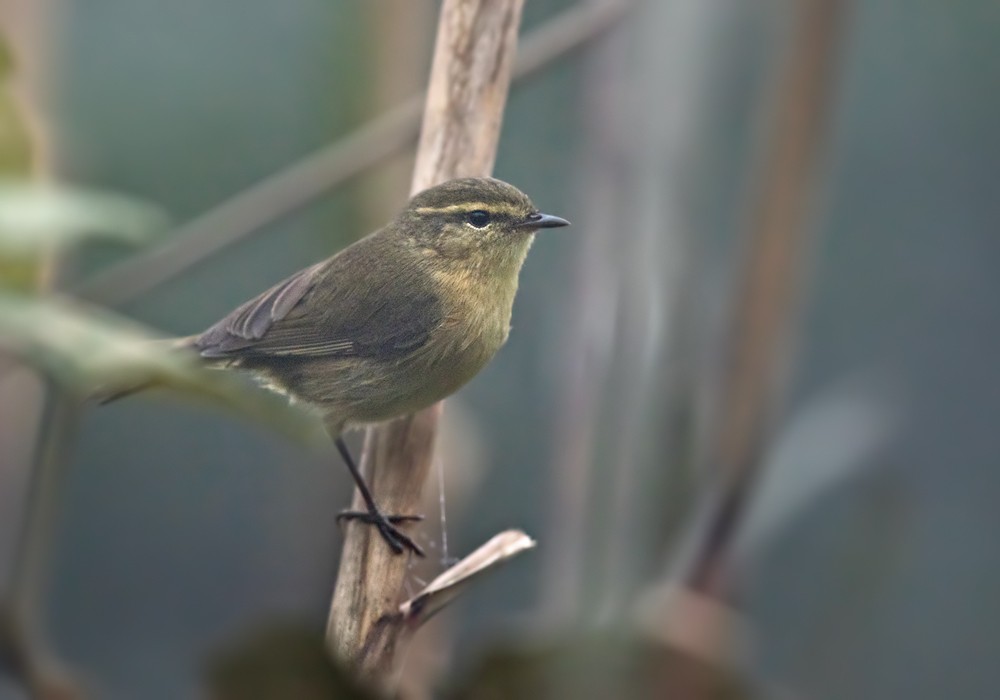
{"x":386,"y":524}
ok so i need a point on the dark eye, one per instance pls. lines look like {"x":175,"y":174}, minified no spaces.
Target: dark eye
{"x":478,"y":218}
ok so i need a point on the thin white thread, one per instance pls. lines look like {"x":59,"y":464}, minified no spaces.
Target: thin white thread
{"x":445,"y":559}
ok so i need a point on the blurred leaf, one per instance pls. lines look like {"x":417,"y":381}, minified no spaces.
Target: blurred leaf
{"x":36,"y":218}
{"x":278,"y":663}
{"x":597,"y":666}
{"x":89,"y":351}
{"x":828,"y":441}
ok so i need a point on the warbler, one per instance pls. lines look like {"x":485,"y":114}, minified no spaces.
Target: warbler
{"x":394,"y":322}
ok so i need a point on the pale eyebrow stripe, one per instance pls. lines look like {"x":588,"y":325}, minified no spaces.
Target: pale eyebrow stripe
{"x":469,"y":206}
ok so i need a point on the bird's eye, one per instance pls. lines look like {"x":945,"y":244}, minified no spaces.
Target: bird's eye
{"x":478,"y":218}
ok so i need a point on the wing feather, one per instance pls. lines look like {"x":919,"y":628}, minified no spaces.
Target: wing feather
{"x":332,"y":309}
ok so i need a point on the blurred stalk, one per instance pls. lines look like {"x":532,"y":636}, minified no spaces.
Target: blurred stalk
{"x":31,"y":560}
{"x":586,"y":347}
{"x":771,"y":284}
{"x":402,"y":33}
{"x":32,"y":460}
{"x":623,"y":347}
{"x":21,"y":391}
{"x":650,"y":414}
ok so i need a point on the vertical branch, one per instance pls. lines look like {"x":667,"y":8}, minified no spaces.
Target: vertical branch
{"x":469,"y":79}
{"x":768,"y":293}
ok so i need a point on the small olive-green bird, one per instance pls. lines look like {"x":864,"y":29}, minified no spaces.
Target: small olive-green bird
{"x":393,"y":323}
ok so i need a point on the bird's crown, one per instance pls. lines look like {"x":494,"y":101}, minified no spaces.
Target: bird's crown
{"x":465,"y":195}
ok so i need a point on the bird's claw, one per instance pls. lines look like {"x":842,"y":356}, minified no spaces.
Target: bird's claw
{"x":397,"y":540}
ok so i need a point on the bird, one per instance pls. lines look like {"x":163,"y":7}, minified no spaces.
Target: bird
{"x":392,"y":323}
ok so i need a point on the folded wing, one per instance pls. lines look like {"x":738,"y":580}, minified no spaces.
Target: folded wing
{"x":351,"y":305}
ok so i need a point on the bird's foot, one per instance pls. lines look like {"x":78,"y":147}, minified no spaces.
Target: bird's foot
{"x":386,"y":524}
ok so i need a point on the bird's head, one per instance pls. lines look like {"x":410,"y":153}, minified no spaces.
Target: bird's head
{"x":479,"y":222}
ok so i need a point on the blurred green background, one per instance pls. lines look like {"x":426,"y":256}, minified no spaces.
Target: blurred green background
{"x":868,"y":566}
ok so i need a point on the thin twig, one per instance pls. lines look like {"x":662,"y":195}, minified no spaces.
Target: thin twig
{"x":470,"y":76}
{"x":320,"y":173}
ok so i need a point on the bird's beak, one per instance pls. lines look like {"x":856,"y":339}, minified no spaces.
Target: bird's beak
{"x":539,"y":220}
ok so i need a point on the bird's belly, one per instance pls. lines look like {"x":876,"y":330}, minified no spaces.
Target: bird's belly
{"x":437,"y":371}
{"x":370,"y":390}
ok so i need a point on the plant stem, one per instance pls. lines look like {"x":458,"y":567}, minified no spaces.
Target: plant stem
{"x":470,"y":76}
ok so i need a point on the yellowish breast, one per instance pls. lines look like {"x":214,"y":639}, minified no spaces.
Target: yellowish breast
{"x":477,"y":310}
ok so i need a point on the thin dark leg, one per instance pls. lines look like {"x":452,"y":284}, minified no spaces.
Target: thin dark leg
{"x":397,"y":540}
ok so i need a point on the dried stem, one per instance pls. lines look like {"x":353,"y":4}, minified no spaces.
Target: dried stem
{"x":469,"y":80}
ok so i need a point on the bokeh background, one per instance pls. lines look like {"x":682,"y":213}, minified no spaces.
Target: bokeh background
{"x":867,"y":566}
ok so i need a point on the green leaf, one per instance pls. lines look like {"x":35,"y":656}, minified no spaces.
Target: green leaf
{"x":90,"y":352}
{"x":36,"y":218}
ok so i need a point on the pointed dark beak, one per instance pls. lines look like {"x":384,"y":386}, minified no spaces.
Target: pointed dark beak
{"x":539,"y":220}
